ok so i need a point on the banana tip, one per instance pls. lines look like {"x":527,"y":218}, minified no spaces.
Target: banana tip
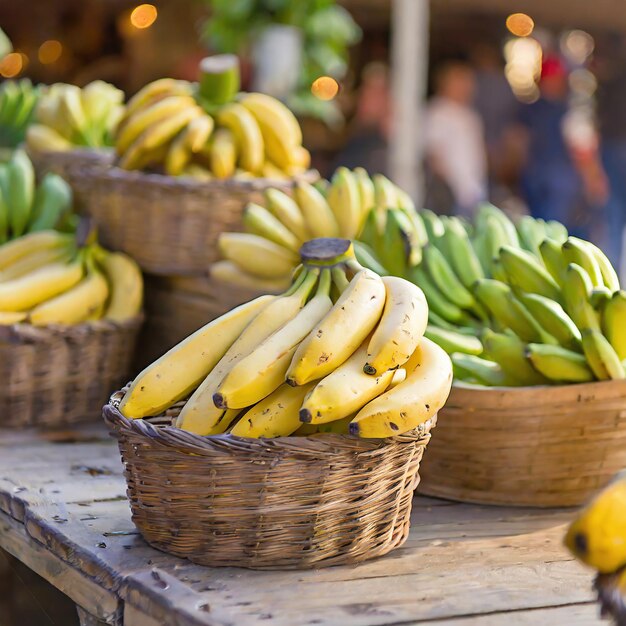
{"x":291,"y":382}
{"x":368,"y":369}
{"x":353,"y":428}
{"x":218,"y":401}
{"x":305,"y":416}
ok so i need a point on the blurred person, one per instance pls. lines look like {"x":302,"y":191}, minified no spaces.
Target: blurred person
{"x":454,"y":143}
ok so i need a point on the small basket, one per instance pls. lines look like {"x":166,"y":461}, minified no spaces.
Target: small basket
{"x":528,"y":446}
{"x":170,"y":225}
{"x":58,"y":375}
{"x":71,"y":165}
{"x":285,"y":503}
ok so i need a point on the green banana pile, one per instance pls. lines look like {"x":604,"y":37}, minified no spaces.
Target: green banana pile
{"x":26,"y":207}
{"x":18,"y":99}
{"x":67,"y":116}
{"x":523,"y":304}
{"x":353,"y":205}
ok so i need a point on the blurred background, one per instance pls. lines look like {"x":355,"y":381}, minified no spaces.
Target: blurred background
{"x":521,"y":103}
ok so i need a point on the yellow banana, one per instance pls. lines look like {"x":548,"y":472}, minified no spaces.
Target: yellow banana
{"x":155,"y":90}
{"x":412,"y":402}
{"x":288,"y":212}
{"x":257,"y":255}
{"x":341,"y":332}
{"x":200,"y":415}
{"x":125,"y":285}
{"x":344,"y":199}
{"x":318,"y":216}
{"x":198,"y":132}
{"x":601,"y":356}
{"x":41,"y":138}
{"x":366,"y":191}
{"x":38,"y":258}
{"x":178,"y":155}
{"x":8,"y":318}
{"x":344,"y":391}
{"x":230,"y":272}
{"x":272,"y":113}
{"x":247,"y":133}
{"x":17,"y":248}
{"x":181,"y":369}
{"x":259,"y":221}
{"x":401,"y":326}
{"x":270,"y":171}
{"x":274,"y":416}
{"x":222,"y":153}
{"x":264,"y":369}
{"x":614,"y":323}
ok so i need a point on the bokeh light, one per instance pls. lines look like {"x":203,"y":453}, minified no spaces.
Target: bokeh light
{"x":523,"y":67}
{"x":143,"y":16}
{"x":50,"y":51}
{"x":582,"y":81}
{"x":325,"y":88}
{"x":520,"y":24}
{"x":12,"y":64}
{"x":577,"y":45}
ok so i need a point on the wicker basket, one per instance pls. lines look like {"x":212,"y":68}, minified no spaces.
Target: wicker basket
{"x":54,"y":376}
{"x":169,"y":225}
{"x":530,"y":446}
{"x":71,"y":165}
{"x":286,"y":503}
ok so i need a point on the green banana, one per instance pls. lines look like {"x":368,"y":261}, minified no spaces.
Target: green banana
{"x":452,"y":341}
{"x":526,"y":273}
{"x":372,"y":231}
{"x":552,"y":257}
{"x":601,"y":357}
{"x":609,"y":275}
{"x":487,"y":210}
{"x":366,"y":257}
{"x":556,"y":231}
{"x":53,"y":198}
{"x":497,"y":271}
{"x":21,"y":182}
{"x":577,"y":291}
{"x":446,"y":280}
{"x":559,"y":364}
{"x":4,"y":216}
{"x":385,"y":196}
{"x":599,"y":298}
{"x":531,"y":233}
{"x":576,"y":251}
{"x":614,"y":323}
{"x":439,"y":322}
{"x":259,"y":221}
{"x":462,"y":256}
{"x":437,"y":302}
{"x":495,"y":236}
{"x":468,"y":367}
{"x":432,"y":223}
{"x":396,"y":246}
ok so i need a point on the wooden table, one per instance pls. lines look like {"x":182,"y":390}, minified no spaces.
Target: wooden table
{"x":64,"y":514}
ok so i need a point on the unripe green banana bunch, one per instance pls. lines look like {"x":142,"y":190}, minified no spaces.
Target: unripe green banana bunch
{"x":67,"y":116}
{"x":18,"y":99}
{"x":45,"y":278}
{"x":341,"y":350}
{"x":352,"y":205}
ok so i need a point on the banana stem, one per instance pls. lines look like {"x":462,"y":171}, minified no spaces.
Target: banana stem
{"x":340,"y":280}
{"x":310,"y":278}
{"x":220,"y":79}
{"x":326,"y":252}
{"x":295,"y":285}
{"x":323,"y":287}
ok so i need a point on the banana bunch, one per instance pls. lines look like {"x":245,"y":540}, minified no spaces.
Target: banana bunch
{"x":46,"y":279}
{"x":352,"y":205}
{"x":341,"y":350}
{"x":521,"y":304}
{"x":18,"y":99}
{"x":166,"y":127}
{"x":67,"y":116}
{"x":26,"y":207}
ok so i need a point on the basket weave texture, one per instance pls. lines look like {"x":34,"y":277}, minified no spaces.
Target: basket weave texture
{"x":169,"y":225}
{"x":285,"y":503}
{"x":59,"y":375}
{"x":529,"y":446}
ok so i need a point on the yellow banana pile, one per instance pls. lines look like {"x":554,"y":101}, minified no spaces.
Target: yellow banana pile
{"x":45,"y":279}
{"x":67,"y":116}
{"x":265,"y":255}
{"x":165,"y":127}
{"x":342,"y":350}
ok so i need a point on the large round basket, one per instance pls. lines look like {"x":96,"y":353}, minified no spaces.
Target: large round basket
{"x":529,"y":446}
{"x":59,"y":375}
{"x":285,"y":503}
{"x":72,"y":166}
{"x":169,"y":225}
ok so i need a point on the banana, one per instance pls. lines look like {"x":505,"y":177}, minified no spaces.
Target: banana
{"x":42,"y":138}
{"x":486,"y":210}
{"x":601,"y":357}
{"x":437,"y":302}
{"x":463,"y":259}
{"x":53,"y":198}
{"x":495,"y":237}
{"x":452,"y":341}
{"x":400,"y":329}
{"x":288,"y":212}
{"x":344,"y":391}
{"x":439,"y":322}
{"x":264,"y":369}
{"x":366,"y":257}
{"x":510,"y":353}
{"x":271,"y":172}
{"x":559,"y":364}
{"x":385,"y":196}
{"x":7,"y":319}
{"x":531,"y":233}
{"x":198,"y":132}
{"x":125,"y":285}
{"x":609,"y":275}
{"x":556,"y":231}
{"x":274,"y":416}
{"x":497,"y":271}
{"x":396,"y":246}
{"x":156,"y":90}
{"x":577,"y":291}
{"x":272,"y":113}
{"x":178,"y":155}
{"x":21,"y":190}
{"x":319,"y":218}
{"x":46,"y":282}
{"x":4,"y":207}
{"x":257,"y":255}
{"x":14,"y":250}
{"x":200,"y":415}
{"x":614,"y":323}
{"x":36,"y":259}
{"x":229,"y":272}
{"x":372,"y":232}
{"x":445,"y":279}
{"x":553,"y":319}
{"x":599,"y":298}
{"x":259,"y":221}
{"x":432,"y":224}
{"x":576,"y":251}
{"x":526,"y":273}
{"x":477,"y":370}
{"x":238,"y":119}
{"x":553,"y":259}
{"x":71,"y":110}
{"x":412,"y":402}
{"x":344,"y":198}
{"x":222,"y":153}
{"x":181,"y":369}
{"x":341,"y":332}
{"x":75,"y":305}
{"x":366,"y":190}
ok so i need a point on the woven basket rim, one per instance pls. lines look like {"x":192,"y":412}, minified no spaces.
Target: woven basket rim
{"x":76,"y":151}
{"x":531,"y":389}
{"x":185,"y":441}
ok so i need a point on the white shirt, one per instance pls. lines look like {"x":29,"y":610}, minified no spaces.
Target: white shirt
{"x":454,"y":139}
